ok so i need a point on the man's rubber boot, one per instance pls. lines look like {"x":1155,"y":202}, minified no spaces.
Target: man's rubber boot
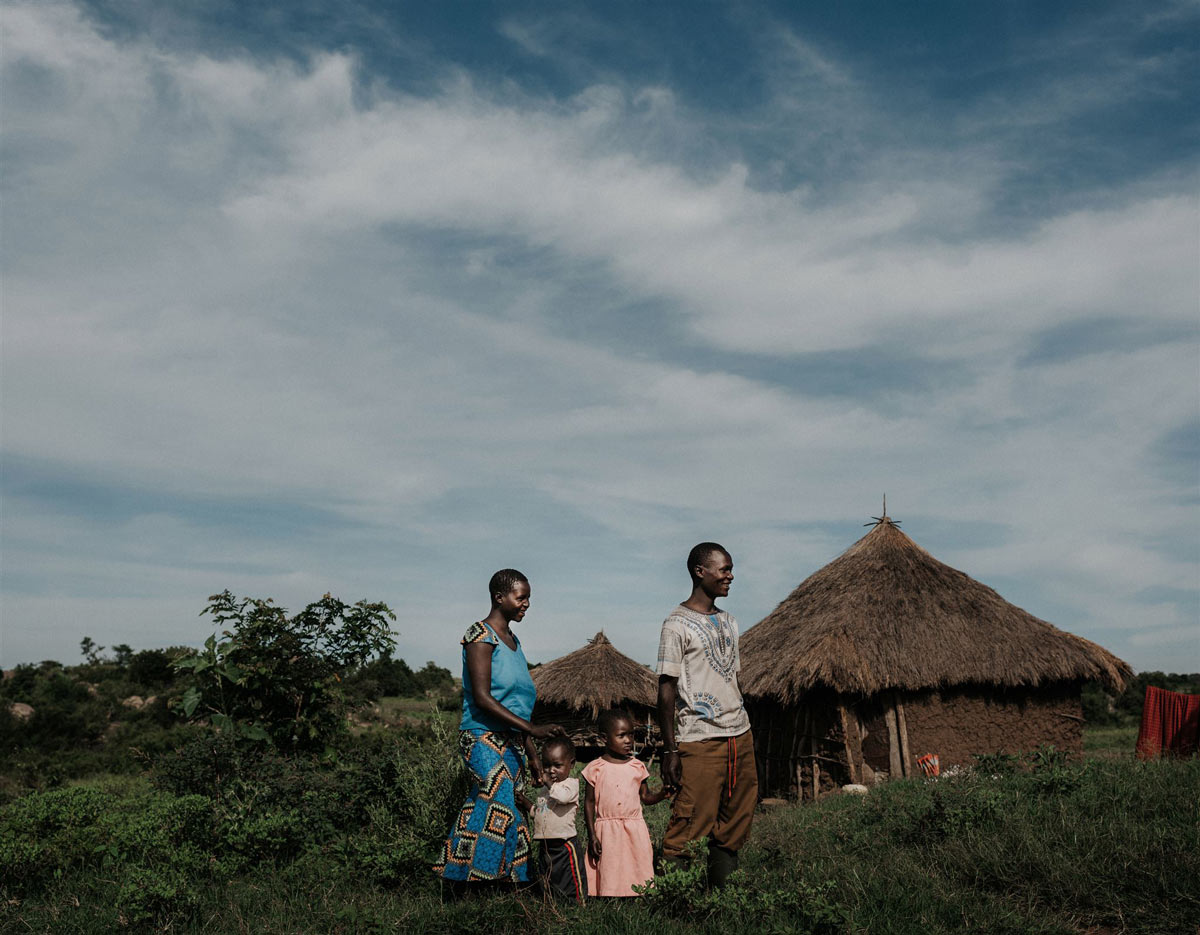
{"x":721,"y":863}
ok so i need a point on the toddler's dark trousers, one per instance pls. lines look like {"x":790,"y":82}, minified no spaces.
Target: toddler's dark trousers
{"x":562,"y":868}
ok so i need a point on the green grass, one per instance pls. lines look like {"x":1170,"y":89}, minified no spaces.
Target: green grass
{"x":1109,"y":741}
{"x":405,"y":712}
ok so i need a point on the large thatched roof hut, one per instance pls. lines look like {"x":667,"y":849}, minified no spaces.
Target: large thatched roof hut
{"x":886,"y":654}
{"x":573,"y":689}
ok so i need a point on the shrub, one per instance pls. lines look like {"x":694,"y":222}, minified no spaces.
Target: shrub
{"x":247,"y":837}
{"x":155,"y":893}
{"x":46,"y":833}
{"x":996,"y":764}
{"x":434,"y":679}
{"x":278,"y":678}
{"x":682,"y":893}
{"x":151,"y":668}
{"x":65,"y":713}
{"x":381,"y":677}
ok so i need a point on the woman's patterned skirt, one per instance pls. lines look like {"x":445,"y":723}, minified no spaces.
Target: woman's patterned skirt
{"x":490,"y":839}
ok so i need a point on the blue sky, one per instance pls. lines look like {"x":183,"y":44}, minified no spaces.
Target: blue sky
{"x":377,"y":298}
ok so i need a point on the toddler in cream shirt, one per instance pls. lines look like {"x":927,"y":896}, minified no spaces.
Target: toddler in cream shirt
{"x":554,"y":823}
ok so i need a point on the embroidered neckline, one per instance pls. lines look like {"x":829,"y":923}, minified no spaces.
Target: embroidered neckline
{"x":499,"y":641}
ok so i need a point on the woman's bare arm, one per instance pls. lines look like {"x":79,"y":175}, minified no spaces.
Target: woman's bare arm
{"x":536,"y":776}
{"x":479,"y":667}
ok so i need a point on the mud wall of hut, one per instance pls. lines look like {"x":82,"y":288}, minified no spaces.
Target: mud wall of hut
{"x":829,"y":740}
{"x":958,"y":723}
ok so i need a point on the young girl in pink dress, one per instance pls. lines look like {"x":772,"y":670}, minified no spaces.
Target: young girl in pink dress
{"x":620,"y":856}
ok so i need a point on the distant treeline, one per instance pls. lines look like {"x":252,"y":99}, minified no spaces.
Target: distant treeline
{"x":1106,"y":710}
{"x":388,"y":677}
{"x":75,"y":705}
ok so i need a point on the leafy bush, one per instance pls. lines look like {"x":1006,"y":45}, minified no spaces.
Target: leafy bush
{"x":682,"y":893}
{"x":153,"y":894}
{"x":151,"y":668}
{"x":380,"y":803}
{"x":46,"y":833}
{"x":390,"y":677}
{"x":996,"y":764}
{"x":65,"y":713}
{"x":278,"y":678}
{"x":248,"y":836}
{"x":382,"y":677}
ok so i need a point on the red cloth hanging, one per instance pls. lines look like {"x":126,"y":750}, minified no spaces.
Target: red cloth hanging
{"x":1170,"y":723}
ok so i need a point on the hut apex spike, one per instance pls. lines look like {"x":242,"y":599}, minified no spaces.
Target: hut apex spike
{"x":879,"y":520}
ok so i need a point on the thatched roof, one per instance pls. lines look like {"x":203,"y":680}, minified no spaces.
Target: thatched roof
{"x":886,"y":614}
{"x":595,"y":678}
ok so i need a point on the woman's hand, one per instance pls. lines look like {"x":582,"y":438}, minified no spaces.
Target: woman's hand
{"x":594,"y":849}
{"x":537,"y":776}
{"x":542,"y":731}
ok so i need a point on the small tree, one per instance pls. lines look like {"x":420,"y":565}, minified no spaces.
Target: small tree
{"x":91,"y":652}
{"x":278,"y":678}
{"x":435,"y":679}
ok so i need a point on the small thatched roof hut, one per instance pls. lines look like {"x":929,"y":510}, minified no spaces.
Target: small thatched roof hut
{"x":573,"y":689}
{"x":893,"y":654}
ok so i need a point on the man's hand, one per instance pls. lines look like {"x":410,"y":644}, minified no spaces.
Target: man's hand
{"x":668,"y":696}
{"x":672,"y":772}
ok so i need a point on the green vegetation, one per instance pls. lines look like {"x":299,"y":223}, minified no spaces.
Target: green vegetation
{"x":277,"y":678}
{"x":147,"y":816}
{"x":1109,"y":741}
{"x":1101,"y":709}
{"x":273,"y":843}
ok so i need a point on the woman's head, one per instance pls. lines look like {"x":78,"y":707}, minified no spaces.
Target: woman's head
{"x":616,"y":728}
{"x":510,"y":592}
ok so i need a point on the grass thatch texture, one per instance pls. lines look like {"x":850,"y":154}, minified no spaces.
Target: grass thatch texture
{"x":888,"y":615}
{"x":596,"y":677}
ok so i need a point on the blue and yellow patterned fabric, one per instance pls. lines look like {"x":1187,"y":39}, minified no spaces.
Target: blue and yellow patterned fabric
{"x":489,"y":840}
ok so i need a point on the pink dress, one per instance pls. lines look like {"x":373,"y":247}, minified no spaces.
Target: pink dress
{"x":626,"y":856}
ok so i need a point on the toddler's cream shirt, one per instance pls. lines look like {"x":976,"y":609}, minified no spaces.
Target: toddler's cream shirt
{"x":554,"y":813}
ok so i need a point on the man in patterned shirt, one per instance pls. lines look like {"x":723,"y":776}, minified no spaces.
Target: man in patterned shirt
{"x":708,"y":750}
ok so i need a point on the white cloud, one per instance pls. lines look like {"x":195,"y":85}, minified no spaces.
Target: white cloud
{"x":228,"y":285}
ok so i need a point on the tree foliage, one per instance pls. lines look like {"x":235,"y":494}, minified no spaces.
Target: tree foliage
{"x":276,"y":678}
{"x":1101,"y":709}
{"x":386,"y":676}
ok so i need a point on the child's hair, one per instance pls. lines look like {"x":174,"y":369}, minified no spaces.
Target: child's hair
{"x":609,"y":718}
{"x":563,"y":743}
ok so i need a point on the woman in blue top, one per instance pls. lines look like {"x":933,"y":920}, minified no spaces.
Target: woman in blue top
{"x":489,"y":839}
